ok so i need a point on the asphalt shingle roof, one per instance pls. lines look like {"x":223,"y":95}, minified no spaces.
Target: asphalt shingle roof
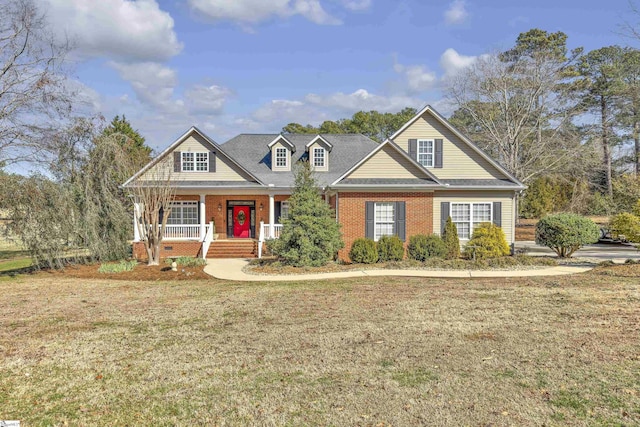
{"x":480,"y":182}
{"x":251,"y":151}
{"x":388,"y":181}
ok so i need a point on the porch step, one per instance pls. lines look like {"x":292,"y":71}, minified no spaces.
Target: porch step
{"x":233,"y":249}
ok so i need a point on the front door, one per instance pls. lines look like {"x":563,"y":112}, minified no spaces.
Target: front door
{"x":242,"y":221}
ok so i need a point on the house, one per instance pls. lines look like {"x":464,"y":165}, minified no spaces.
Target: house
{"x":409,"y":184}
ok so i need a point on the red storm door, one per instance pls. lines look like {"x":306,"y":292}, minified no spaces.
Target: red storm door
{"x":241,"y":221}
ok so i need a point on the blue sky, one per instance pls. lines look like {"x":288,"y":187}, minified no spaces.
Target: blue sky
{"x":232,"y":66}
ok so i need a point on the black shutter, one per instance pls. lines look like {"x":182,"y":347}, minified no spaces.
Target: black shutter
{"x":212,"y":161}
{"x":277,"y":212}
{"x":497,"y":213}
{"x":177,"y":166}
{"x":444,"y":215}
{"x":370,"y":215}
{"x":413,"y":149}
{"x":438,"y":154}
{"x":401,"y":223}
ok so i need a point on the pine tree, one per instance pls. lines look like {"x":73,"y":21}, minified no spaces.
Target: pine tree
{"x":451,"y":240}
{"x":129,"y":139}
{"x":310,"y":236}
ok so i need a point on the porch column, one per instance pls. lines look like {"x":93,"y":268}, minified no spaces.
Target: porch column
{"x":203,"y":220}
{"x":136,"y":215}
{"x":272,"y":214}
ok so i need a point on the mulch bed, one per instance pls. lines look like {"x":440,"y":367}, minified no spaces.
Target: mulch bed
{"x":140,"y":272}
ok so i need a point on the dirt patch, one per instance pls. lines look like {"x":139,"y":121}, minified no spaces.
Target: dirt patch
{"x":140,"y":272}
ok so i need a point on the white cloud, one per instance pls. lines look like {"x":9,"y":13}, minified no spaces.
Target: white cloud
{"x":201,"y":99}
{"x":361,"y":99}
{"x":457,"y":13}
{"x":152,"y":82}
{"x":452,"y":62}
{"x":254,"y":11}
{"x":357,"y":4}
{"x":418,"y":77}
{"x":119,"y":29}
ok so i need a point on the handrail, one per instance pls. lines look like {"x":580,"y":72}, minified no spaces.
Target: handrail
{"x":208,"y":238}
{"x":268,"y":232}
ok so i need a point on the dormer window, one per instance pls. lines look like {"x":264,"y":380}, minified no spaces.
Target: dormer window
{"x":195,"y":162}
{"x":319,"y":157}
{"x":281,"y":157}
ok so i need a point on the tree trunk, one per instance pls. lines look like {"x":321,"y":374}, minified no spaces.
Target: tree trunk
{"x":606,"y":149}
{"x":636,"y":139}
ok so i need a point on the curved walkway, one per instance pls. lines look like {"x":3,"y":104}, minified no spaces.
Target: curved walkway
{"x":231,"y":269}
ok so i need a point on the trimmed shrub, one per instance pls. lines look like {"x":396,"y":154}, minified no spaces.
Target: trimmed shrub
{"x":451,"y":240}
{"x":187,"y":261}
{"x":422,"y":247}
{"x":117,"y":267}
{"x":627,"y":225}
{"x":565,"y":233}
{"x":390,"y":248}
{"x":487,"y":241}
{"x":364,"y":251}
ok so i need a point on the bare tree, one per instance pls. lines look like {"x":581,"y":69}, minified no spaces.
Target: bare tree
{"x":32,"y":80}
{"x":153,"y":193}
{"x":520,"y":109}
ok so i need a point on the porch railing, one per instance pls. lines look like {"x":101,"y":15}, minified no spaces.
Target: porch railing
{"x":182,"y":232}
{"x":267,"y":232}
{"x":208,"y":238}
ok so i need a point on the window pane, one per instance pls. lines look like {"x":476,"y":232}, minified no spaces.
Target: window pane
{"x":318,"y":157}
{"x":384,"y":219}
{"x":281,"y":157}
{"x":425,"y":153}
{"x":463,"y":230}
{"x":284,"y":211}
{"x":187,"y":162}
{"x":481,"y":212}
{"x":460,"y":212}
{"x":202,"y":162}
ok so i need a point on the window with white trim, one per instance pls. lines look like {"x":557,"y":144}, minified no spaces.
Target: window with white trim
{"x":284,"y":210}
{"x":384,"y":220}
{"x":183,"y":213}
{"x":467,"y":216}
{"x":195,"y":161}
{"x":425,"y":152}
{"x":319,"y":157}
{"x":281,"y":157}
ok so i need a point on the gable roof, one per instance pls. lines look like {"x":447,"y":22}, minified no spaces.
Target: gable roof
{"x":460,"y":135}
{"x":248,"y":150}
{"x":213,"y":145}
{"x":324,"y":141}
{"x":282,"y":138}
{"x":428,"y":175}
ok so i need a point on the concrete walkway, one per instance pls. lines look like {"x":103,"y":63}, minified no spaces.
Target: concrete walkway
{"x":231,"y":269}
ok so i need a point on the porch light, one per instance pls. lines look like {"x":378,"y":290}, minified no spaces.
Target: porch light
{"x":261,"y":206}
{"x":219,"y":207}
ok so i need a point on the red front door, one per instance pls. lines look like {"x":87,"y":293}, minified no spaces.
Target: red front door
{"x":241,"y":221}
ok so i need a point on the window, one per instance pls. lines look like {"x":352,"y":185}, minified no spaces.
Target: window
{"x":467,"y":216}
{"x":284,"y":210}
{"x":318,"y":157}
{"x":384,"y":220}
{"x":183,"y":213}
{"x":281,"y":157}
{"x":425,"y":152}
{"x":195,"y":162}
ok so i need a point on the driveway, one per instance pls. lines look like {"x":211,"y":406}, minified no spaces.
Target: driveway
{"x":616,"y":252}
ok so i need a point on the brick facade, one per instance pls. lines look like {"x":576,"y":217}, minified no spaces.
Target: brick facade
{"x":351,"y":214}
{"x":170,"y":248}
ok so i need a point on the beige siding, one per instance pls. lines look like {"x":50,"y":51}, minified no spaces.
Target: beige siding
{"x":273,"y":158}
{"x":459,"y":161}
{"x":387,"y":163}
{"x":225,"y":169}
{"x":326,"y":157}
{"x":506,"y":197}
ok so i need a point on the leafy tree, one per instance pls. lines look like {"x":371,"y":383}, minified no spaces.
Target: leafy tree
{"x":566,"y":233}
{"x":629,"y":113}
{"x":130,"y":140}
{"x":451,"y":239}
{"x":310,"y":236}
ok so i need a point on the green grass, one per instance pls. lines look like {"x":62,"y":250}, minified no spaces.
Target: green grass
{"x":117,"y":267}
{"x":15,"y":264}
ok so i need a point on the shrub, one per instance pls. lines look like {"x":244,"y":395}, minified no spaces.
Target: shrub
{"x":566,"y":233}
{"x":310,"y":236}
{"x":626,"y":224}
{"x":364,"y":251}
{"x":187,"y":261}
{"x":487,"y":241}
{"x":117,"y":267}
{"x":390,"y":248}
{"x":451,"y":240}
{"x":422,"y":247}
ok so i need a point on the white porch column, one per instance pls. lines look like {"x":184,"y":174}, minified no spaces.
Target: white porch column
{"x":272,"y":214}
{"x":136,"y":215}
{"x":203,"y":220}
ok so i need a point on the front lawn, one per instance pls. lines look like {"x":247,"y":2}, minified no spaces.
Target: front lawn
{"x":370,"y":351}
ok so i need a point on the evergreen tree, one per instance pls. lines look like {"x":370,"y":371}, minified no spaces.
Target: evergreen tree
{"x":451,"y":240}
{"x":129,"y":139}
{"x":310,"y":236}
